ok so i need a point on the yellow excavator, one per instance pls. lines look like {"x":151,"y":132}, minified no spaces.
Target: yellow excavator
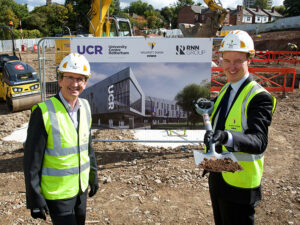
{"x":211,"y":27}
{"x":19,"y":83}
{"x":101,"y":24}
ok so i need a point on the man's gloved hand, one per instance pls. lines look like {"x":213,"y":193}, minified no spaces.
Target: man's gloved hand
{"x":207,"y":137}
{"x":40,"y":212}
{"x":220,"y":137}
{"x":94,"y":189}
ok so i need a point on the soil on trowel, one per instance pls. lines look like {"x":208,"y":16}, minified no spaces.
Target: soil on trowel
{"x":220,"y":165}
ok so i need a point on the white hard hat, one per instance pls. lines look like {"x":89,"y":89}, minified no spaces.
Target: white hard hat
{"x":75,"y":63}
{"x":237,"y":41}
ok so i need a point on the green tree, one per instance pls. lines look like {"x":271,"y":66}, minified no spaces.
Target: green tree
{"x":169,"y":16}
{"x":21,"y":11}
{"x":280,"y":9}
{"x":189,"y":93}
{"x":117,"y":9}
{"x":292,"y":7}
{"x":139,"y":8}
{"x":263,"y":4}
{"x":6,"y":15}
{"x":48,"y":19}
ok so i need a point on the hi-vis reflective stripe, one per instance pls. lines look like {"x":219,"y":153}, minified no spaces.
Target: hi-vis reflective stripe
{"x":65,"y":151}
{"x":87,"y":111}
{"x":54,"y":122}
{"x":244,"y":105}
{"x":65,"y":172}
{"x":240,"y":156}
{"x":57,"y":149}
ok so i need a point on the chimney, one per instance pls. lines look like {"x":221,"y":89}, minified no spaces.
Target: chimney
{"x":273,"y":9}
{"x":239,"y":8}
{"x":256,"y":9}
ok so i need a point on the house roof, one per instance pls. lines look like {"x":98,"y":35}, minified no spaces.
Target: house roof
{"x":275,"y":13}
{"x":245,"y":12}
{"x":198,"y":9}
{"x":257,"y":13}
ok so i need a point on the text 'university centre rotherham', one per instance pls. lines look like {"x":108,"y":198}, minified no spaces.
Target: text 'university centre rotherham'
{"x":119,"y":101}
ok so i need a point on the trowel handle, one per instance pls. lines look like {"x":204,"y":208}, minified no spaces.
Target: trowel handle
{"x":208,"y":127}
{"x":206,"y":121}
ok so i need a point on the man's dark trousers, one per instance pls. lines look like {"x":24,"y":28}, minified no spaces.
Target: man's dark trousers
{"x":70,"y":211}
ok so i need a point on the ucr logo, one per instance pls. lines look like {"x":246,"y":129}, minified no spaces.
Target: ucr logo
{"x":111,"y":97}
{"x":90,"y":49}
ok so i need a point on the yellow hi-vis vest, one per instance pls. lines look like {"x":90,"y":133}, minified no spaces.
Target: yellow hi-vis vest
{"x":66,"y":164}
{"x":236,"y":121}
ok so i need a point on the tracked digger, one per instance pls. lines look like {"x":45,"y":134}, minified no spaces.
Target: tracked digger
{"x":211,"y":27}
{"x":19,"y":83}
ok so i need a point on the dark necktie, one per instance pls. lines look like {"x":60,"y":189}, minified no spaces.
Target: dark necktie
{"x":223,"y":109}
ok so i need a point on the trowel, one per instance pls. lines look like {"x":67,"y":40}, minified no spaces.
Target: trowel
{"x":211,"y":160}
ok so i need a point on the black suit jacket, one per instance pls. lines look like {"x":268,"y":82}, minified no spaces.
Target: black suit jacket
{"x":253,"y":141}
{"x":33,"y":159}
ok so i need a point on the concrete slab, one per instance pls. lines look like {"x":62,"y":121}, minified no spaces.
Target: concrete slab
{"x":167,"y":135}
{"x":18,"y":135}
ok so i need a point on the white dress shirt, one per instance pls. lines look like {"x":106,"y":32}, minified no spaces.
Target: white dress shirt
{"x":73,"y":113}
{"x":234,"y":90}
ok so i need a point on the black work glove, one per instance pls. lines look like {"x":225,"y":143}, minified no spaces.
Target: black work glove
{"x":208,"y":135}
{"x":40,"y":212}
{"x":220,"y":137}
{"x":94,"y":189}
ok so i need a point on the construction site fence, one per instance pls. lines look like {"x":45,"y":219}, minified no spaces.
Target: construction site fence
{"x":24,"y":44}
{"x":276,"y":56}
{"x":279,"y":24}
{"x":272,"y":79}
{"x":273,"y":57}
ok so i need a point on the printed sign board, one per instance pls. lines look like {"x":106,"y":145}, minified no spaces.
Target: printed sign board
{"x":135,"y":81}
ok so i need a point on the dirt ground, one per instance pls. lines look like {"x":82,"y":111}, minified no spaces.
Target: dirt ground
{"x":150,"y":185}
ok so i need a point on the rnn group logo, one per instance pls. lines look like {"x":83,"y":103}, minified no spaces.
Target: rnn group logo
{"x":189,"y":50}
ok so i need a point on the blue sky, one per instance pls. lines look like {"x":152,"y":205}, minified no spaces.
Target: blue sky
{"x":157,"y":4}
{"x":156,"y":79}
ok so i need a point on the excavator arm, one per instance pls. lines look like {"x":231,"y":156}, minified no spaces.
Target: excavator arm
{"x":98,"y":13}
{"x":220,"y":11}
{"x":211,"y":27}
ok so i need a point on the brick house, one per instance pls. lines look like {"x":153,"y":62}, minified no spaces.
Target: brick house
{"x":272,"y":13}
{"x":196,"y":14}
{"x":259,"y":16}
{"x":190,"y":14}
{"x":240,"y":16}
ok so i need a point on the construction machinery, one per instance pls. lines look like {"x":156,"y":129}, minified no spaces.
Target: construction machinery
{"x":211,"y":27}
{"x":101,"y":24}
{"x":19,"y":83}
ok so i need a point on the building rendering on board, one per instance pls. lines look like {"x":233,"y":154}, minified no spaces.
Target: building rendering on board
{"x":119,"y":101}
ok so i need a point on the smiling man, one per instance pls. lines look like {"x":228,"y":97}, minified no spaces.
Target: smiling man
{"x":242,"y":114}
{"x":59,"y":161}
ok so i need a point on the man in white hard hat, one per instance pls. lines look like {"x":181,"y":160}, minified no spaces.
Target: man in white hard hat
{"x":59,"y":161}
{"x":242,"y":114}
